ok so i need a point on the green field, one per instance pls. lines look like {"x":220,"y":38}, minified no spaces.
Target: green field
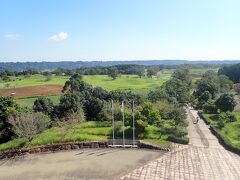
{"x":30,"y":100}
{"x":132,"y":82}
{"x":33,"y":80}
{"x":127,"y":82}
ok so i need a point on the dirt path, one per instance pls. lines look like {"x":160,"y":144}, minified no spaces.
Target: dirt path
{"x":79,"y":164}
{"x":203,"y":158}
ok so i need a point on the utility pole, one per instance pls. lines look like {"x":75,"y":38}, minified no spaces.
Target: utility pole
{"x":112,"y":108}
{"x":133,"y":109}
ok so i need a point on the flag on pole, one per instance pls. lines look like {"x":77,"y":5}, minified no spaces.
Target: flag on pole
{"x":113,"y":124}
{"x":122,"y":110}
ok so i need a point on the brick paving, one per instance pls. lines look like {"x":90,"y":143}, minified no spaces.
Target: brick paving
{"x":204,"y":158}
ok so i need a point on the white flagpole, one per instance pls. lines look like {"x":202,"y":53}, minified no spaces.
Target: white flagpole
{"x":123,"y":124}
{"x":113,"y":140}
{"x":133,"y":109}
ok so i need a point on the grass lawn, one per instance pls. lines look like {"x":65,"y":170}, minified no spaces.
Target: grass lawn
{"x":33,"y":80}
{"x":127,"y":82}
{"x":30,"y":100}
{"x":86,"y":131}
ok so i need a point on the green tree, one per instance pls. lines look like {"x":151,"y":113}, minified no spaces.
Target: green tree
{"x":70,"y":103}
{"x":76,"y":84}
{"x":43,"y":104}
{"x":148,"y":113}
{"x":113,"y":72}
{"x":93,"y":107}
{"x":183,"y":74}
{"x":178,"y":90}
{"x":226,"y":102}
{"x":204,"y":85}
{"x":225,"y":83}
{"x":7,"y":106}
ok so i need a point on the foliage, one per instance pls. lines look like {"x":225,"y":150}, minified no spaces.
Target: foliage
{"x":225,"y":83}
{"x":175,"y":90}
{"x":70,"y":102}
{"x":227,"y":127}
{"x":43,"y":104}
{"x":147,"y":113}
{"x":113,"y":72}
{"x":49,"y":77}
{"x":210,"y":108}
{"x":232,"y":71}
{"x":7,"y":106}
{"x":92,"y":107}
{"x":158,"y":95}
{"x":140,"y":126}
{"x":27,"y":125}
{"x":226,"y":102}
{"x":237,"y":88}
{"x":152,"y":71}
{"x":206,"y":85}
{"x":76,"y":84}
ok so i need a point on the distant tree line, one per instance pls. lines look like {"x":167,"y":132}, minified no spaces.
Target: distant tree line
{"x":232,"y":71}
{"x":44,"y":65}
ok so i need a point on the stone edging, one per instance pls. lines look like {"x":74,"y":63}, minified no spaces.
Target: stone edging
{"x":68,"y":146}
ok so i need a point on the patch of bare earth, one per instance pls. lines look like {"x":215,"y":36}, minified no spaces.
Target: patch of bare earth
{"x":32,"y":91}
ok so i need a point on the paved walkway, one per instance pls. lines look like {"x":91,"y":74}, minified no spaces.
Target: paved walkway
{"x":203,"y":158}
{"x":82,"y":164}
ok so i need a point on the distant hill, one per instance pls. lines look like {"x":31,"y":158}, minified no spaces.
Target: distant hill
{"x":44,"y":65}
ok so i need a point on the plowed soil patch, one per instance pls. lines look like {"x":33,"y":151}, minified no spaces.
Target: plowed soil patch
{"x":32,"y":91}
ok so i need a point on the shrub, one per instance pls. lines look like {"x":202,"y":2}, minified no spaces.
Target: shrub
{"x":28,"y":125}
{"x":226,"y":102}
{"x":140,"y":126}
{"x":209,"y":108}
{"x":43,"y":104}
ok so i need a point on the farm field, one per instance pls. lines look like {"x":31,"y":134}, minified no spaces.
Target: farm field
{"x":28,"y":88}
{"x":28,"y":101}
{"x":33,"y":80}
{"x":39,"y":90}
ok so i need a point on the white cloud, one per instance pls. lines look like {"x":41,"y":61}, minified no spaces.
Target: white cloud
{"x":59,"y":37}
{"x":11,"y":36}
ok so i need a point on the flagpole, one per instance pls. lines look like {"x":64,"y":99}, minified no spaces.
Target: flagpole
{"x":123,"y":124}
{"x":133,"y":108}
{"x":113,"y":140}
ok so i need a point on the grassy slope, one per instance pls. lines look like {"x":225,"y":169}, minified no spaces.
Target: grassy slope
{"x":230,"y":132}
{"x":87,"y":131}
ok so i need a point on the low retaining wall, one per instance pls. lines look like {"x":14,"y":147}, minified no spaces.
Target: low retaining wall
{"x":68,"y":146}
{"x":53,"y":148}
{"x":151,"y":146}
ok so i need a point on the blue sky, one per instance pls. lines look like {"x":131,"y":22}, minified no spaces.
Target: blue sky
{"x":56,"y":30}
